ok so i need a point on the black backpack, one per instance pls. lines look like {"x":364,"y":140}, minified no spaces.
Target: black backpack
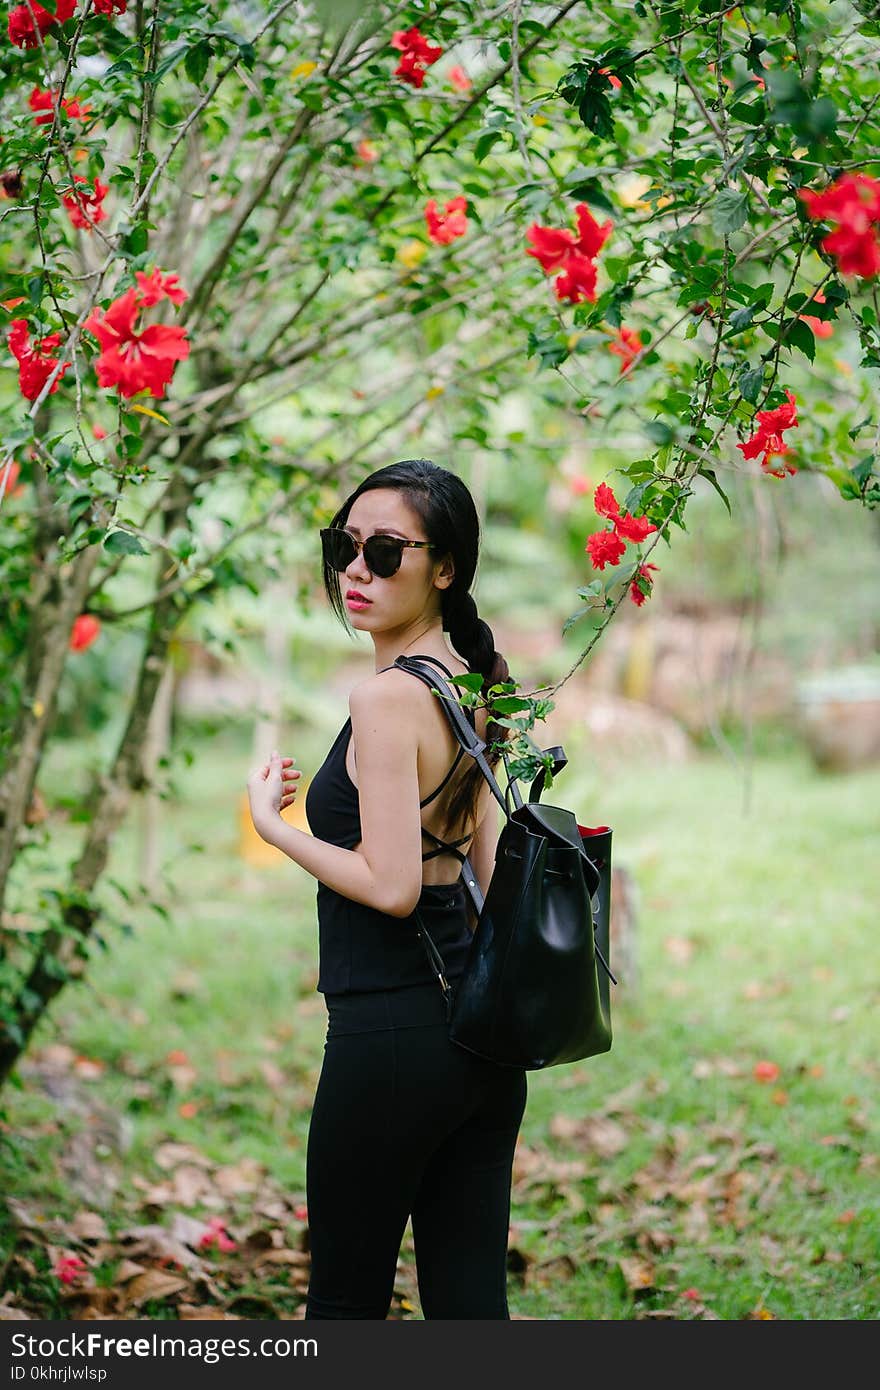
{"x":531,"y":994}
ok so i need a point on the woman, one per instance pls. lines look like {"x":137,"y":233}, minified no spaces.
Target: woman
{"x":405,"y":1122}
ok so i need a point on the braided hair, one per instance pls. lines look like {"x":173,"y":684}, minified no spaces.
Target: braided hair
{"x":446,"y":509}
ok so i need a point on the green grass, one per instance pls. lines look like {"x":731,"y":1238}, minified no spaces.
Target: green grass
{"x":663,"y":1179}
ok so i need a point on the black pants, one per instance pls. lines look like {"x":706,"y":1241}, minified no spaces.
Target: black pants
{"x":406,"y":1123}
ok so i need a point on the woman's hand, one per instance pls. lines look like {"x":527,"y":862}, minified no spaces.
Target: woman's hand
{"x":270,"y":788}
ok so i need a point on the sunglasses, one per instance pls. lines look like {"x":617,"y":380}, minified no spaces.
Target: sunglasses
{"x":382,"y":554}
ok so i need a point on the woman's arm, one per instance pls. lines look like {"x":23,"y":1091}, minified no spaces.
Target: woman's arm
{"x":385,"y":871}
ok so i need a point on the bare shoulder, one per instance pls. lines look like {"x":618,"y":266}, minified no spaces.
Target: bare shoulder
{"x":393,"y":692}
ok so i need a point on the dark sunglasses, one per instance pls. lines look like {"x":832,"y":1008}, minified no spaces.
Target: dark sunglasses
{"x":382,"y":554}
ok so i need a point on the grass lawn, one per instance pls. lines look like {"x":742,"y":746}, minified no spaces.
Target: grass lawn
{"x":720,"y":1162}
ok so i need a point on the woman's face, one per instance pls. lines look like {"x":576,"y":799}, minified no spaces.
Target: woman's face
{"x":414,"y":592}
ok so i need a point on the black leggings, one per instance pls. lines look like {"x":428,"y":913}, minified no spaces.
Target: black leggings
{"x":406,"y":1123}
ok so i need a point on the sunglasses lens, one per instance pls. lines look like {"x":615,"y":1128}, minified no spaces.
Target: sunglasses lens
{"x":382,"y":555}
{"x":338,"y":546}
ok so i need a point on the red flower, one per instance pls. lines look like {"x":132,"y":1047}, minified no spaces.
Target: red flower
{"x":627,"y":345}
{"x":459,"y":78}
{"x":821,"y":327}
{"x":85,"y":209}
{"x":8,"y":480}
{"x":366,"y":152}
{"x":136,"y":361}
{"x":417,"y":54}
{"x":451,"y":223}
{"x":68,"y":1268}
{"x":633,"y":528}
{"x":591,"y":236}
{"x":852,"y":202}
{"x":23,"y":29}
{"x":767,"y":439}
{"x":642,"y":584}
{"x":99,"y":432}
{"x":109,"y":7}
{"x":43,"y":100}
{"x":605,"y":502}
{"x":155,"y":286}
{"x":615,"y":81}
{"x":29,"y":23}
{"x":605,"y":547}
{"x":216,"y":1235}
{"x":557,"y":248}
{"x":766,"y":1071}
{"x":84,"y":631}
{"x":35,"y":361}
{"x":551,"y":246}
{"x":578,"y":280}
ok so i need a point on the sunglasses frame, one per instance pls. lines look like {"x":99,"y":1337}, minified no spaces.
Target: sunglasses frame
{"x":401,"y":544}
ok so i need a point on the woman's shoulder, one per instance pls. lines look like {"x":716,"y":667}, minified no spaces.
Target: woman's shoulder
{"x":395,"y":689}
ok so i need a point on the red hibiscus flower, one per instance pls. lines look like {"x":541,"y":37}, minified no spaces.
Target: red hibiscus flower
{"x":591,"y":236}
{"x":605,"y":548}
{"x":109,"y":7}
{"x":43,"y":100}
{"x":629,"y":527}
{"x":459,"y":78}
{"x":28,"y":24}
{"x":444,"y":227}
{"x":85,"y":209}
{"x":68,"y":1268}
{"x":550,"y":246}
{"x":558,"y":249}
{"x":627,"y":345}
{"x":642,"y":584}
{"x":767,"y":439}
{"x":36,"y":361}
{"x":852,"y":202}
{"x":135,"y":360}
{"x":366,"y":152}
{"x":605,"y":502}
{"x":615,"y":81}
{"x":9,"y":483}
{"x":216,"y":1235}
{"x":84,"y":631}
{"x":156,"y":286}
{"x":578,"y":280}
{"x":416,"y":55}
{"x":821,"y":327}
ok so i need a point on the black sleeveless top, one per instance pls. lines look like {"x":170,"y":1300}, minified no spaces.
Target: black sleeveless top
{"x":361,"y":948}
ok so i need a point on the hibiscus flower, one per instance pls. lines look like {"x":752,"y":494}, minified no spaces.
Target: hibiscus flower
{"x":559,"y":249}
{"x":446,"y":226}
{"x":134,"y":359}
{"x":767,"y":439}
{"x":43,"y":101}
{"x":28,"y":24}
{"x":627,"y":345}
{"x":642,"y":584}
{"x":85,"y":209}
{"x":36,"y":361}
{"x":416,"y":55}
{"x":852,"y":203}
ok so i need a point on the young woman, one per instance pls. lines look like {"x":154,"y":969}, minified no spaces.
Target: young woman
{"x":405,"y":1123}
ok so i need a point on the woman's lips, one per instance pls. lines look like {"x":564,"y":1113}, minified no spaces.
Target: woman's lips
{"x":357,"y":604}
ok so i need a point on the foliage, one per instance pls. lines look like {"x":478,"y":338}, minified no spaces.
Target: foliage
{"x":235,"y":249}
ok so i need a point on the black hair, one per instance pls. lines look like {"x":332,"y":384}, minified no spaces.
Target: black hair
{"x":447,"y":512}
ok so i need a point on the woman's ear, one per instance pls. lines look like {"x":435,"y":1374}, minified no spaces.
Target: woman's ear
{"x":445,"y":575}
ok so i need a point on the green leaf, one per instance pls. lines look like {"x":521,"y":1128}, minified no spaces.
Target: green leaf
{"x":709,"y":475}
{"x":797,"y":334}
{"x":197,"y":60}
{"x":485,"y":143}
{"x":750,"y":381}
{"x":729,"y":211}
{"x":124,"y":543}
